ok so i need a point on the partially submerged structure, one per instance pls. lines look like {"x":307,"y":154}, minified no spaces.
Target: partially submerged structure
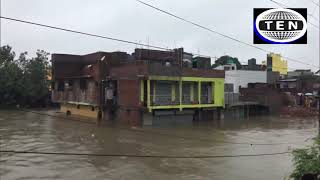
{"x":137,"y":88}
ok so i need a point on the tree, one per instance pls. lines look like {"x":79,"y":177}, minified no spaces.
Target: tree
{"x":6,"y":55}
{"x":35,"y":77}
{"x":23,"y":81}
{"x":306,"y":161}
{"x":10,"y":77}
{"x":223,"y":60}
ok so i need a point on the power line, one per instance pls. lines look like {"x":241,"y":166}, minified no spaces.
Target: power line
{"x":83,"y":33}
{"x":311,"y":15}
{"x":198,"y":25}
{"x":145,"y":156}
{"x":121,"y":40}
{"x":314,"y":2}
{"x":279,"y":4}
{"x":216,"y":32}
{"x":99,"y":36}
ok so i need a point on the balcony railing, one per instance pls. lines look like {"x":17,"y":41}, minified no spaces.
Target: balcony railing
{"x":164,"y":100}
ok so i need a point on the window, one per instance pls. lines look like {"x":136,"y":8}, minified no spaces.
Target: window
{"x":60,"y":85}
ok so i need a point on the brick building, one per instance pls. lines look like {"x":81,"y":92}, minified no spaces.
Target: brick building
{"x":137,"y":88}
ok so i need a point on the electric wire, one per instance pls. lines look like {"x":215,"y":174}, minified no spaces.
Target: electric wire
{"x":144,"y":156}
{"x":83,"y":33}
{"x":124,"y":41}
{"x":129,"y":155}
{"x":314,"y":2}
{"x":311,"y":15}
{"x":216,"y":32}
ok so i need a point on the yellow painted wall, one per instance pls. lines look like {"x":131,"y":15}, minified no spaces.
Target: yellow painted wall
{"x":84,"y":110}
{"x":278,"y":64}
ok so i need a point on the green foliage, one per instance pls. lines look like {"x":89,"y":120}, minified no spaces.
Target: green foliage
{"x":6,"y":54}
{"x":223,"y":60}
{"x":23,"y":81}
{"x":306,"y":161}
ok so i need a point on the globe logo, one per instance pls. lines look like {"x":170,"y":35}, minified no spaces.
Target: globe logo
{"x":281,"y":25}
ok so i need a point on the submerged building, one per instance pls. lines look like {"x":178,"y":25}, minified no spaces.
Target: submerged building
{"x":139,"y":88}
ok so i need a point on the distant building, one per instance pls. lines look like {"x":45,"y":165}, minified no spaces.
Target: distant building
{"x":275,"y":63}
{"x":227,"y":67}
{"x":201,"y":62}
{"x":300,"y":72}
{"x":241,"y":78}
{"x":264,"y":94}
{"x":253,"y":66}
{"x":300,"y":84}
{"x":252,"y":73}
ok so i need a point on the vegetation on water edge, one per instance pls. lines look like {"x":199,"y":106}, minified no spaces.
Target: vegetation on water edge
{"x":306,"y":161}
{"x":23,"y":81}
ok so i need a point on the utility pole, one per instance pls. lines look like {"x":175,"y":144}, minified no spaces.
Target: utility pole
{"x":318,"y":95}
{"x":318,"y":113}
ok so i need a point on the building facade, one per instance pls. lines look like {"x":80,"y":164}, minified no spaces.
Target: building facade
{"x":276,"y":63}
{"x":135,"y":88}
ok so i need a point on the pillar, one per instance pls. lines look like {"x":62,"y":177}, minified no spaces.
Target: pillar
{"x":199,"y":92}
{"x":148,"y":96}
{"x":154,"y":92}
{"x":212,"y":93}
{"x":141,"y":90}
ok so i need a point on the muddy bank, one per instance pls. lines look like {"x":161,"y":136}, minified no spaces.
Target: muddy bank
{"x":299,"y":112}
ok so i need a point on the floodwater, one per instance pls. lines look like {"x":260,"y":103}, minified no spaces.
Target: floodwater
{"x":27,"y":131}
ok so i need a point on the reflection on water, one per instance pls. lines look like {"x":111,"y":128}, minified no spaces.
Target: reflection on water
{"x":34,"y":132}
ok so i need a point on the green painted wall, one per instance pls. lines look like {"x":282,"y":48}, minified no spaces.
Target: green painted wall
{"x":217,"y":94}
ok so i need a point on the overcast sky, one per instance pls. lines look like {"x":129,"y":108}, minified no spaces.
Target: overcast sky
{"x":127,"y":19}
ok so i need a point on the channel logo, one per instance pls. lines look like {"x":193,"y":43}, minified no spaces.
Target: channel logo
{"x":280,"y":26}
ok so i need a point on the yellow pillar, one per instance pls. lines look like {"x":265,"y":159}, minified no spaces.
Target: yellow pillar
{"x":154,"y":92}
{"x":173,"y":91}
{"x":142,"y":90}
{"x":199,"y":92}
{"x":148,"y":96}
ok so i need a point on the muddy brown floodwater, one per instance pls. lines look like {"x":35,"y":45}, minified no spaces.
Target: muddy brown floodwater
{"x":27,"y":131}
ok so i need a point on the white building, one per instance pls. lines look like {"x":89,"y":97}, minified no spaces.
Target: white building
{"x":237,"y":78}
{"x":242,"y":78}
